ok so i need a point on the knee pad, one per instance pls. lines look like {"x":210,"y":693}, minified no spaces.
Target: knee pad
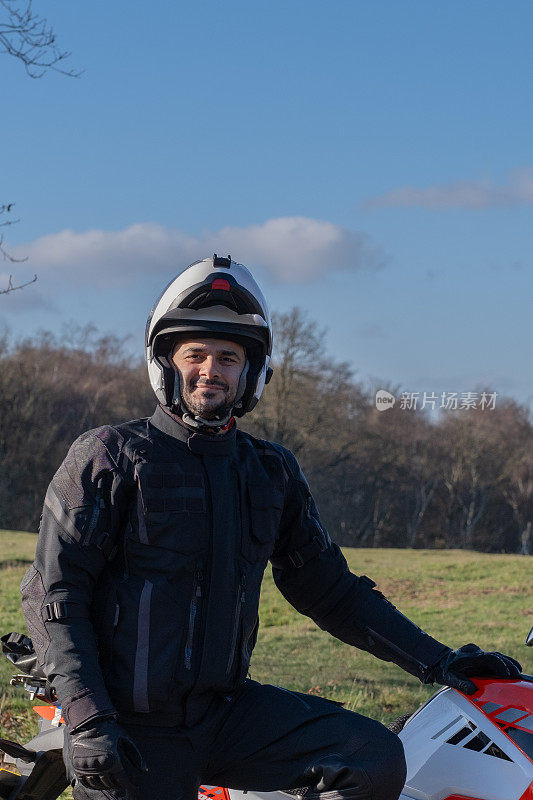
{"x":336,"y":776}
{"x":383,"y":762}
{"x":376,"y":771}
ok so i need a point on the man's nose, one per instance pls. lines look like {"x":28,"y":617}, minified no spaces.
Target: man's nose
{"x":209,"y":368}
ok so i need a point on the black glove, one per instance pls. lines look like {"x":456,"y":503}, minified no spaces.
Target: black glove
{"x":469,"y":659}
{"x":104,"y":757}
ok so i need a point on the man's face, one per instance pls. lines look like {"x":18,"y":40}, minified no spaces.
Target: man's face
{"x":210,"y":370}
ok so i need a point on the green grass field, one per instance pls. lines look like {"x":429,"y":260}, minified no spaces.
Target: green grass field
{"x":456,"y":596}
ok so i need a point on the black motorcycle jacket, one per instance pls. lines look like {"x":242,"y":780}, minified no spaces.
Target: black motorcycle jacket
{"x":143,"y":596}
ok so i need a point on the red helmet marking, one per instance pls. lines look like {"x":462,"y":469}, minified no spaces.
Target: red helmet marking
{"x":221,"y":283}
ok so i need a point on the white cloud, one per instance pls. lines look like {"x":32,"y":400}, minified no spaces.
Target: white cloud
{"x":516,"y":191}
{"x":289,"y":249}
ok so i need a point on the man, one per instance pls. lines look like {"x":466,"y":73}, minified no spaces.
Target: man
{"x":142,"y":600}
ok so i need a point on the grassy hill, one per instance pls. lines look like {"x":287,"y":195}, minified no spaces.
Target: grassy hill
{"x":456,"y":596}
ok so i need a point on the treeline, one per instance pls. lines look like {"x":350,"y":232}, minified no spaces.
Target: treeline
{"x":380,"y":478}
{"x":51,"y":390}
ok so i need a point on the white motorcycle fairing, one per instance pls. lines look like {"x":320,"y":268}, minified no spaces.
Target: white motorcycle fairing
{"x":458,"y":747}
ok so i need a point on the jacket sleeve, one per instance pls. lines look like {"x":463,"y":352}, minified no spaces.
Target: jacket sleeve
{"x":77,"y":534}
{"x":313,"y":575}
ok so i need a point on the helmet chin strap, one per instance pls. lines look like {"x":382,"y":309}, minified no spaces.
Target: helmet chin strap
{"x":196,"y":420}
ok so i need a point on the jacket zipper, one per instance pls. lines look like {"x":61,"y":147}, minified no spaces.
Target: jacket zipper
{"x":236,"y":623}
{"x":193,"y":610}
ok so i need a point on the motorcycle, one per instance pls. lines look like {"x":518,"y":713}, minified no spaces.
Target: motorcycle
{"x":457,"y":746}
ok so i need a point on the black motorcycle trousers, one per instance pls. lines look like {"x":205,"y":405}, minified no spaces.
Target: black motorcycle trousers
{"x":267,"y":738}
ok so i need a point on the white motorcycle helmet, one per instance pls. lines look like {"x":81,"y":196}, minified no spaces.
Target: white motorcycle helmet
{"x":218,"y":298}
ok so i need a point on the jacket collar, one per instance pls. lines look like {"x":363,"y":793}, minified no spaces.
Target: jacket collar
{"x":201,"y":443}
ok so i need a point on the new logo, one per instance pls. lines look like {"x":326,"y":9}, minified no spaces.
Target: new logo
{"x":384,"y":400}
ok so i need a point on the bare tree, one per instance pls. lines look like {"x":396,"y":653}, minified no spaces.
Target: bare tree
{"x":11,"y":287}
{"x":391,"y":479}
{"x":52,"y":389}
{"x":420,"y":457}
{"x":468,"y":478}
{"x":481,"y":446}
{"x":310,"y":393}
{"x":519,"y":495}
{"x":30,"y":38}
{"x":518,"y":489}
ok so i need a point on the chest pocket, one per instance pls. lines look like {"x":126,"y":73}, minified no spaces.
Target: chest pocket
{"x":265,"y":505}
{"x":171,"y":507}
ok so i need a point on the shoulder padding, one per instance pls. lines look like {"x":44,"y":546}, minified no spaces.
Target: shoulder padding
{"x":114,"y":444}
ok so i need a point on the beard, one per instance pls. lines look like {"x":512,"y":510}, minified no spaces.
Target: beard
{"x":212,"y":405}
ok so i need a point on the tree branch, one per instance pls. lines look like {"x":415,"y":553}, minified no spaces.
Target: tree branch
{"x":7,"y":256}
{"x":6,"y":209}
{"x":12,"y":288}
{"x":28,"y":37}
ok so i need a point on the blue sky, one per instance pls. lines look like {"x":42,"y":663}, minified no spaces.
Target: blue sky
{"x":370,"y":162}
